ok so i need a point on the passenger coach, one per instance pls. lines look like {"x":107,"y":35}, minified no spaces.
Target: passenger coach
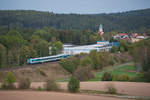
{"x":46,"y":59}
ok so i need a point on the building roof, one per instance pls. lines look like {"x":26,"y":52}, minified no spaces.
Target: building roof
{"x":140,"y":37}
{"x":134,"y":34}
{"x":121,"y":34}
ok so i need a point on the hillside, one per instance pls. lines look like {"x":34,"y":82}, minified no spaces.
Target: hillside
{"x":137,"y":20}
{"x":37,"y":72}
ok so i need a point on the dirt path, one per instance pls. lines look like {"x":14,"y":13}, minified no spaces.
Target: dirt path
{"x":115,"y":67}
{"x":34,"y":95}
{"x":130,"y":88}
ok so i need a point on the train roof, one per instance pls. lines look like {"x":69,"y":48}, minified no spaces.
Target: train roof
{"x":49,"y":56}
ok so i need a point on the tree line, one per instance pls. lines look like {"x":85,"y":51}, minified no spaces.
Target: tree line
{"x":131,"y":21}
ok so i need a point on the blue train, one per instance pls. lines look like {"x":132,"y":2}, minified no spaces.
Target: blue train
{"x":46,"y":59}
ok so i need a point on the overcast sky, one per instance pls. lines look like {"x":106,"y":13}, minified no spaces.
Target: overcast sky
{"x":75,"y":6}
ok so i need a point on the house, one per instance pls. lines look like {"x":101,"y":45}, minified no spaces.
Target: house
{"x":132,"y":40}
{"x":116,"y":37}
{"x":122,"y":34}
{"x":134,"y":35}
{"x":140,"y":37}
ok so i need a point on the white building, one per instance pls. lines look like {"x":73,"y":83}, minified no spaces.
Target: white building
{"x":100,"y":46}
{"x":140,"y":37}
{"x":103,"y":43}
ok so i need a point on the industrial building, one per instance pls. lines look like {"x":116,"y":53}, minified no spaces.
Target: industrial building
{"x":100,"y":46}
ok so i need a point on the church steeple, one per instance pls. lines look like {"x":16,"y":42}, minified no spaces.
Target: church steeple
{"x":100,"y":31}
{"x":100,"y":26}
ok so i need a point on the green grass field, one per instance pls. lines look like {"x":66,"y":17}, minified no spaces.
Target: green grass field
{"x":129,"y":70}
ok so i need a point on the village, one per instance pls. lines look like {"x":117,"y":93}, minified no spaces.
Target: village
{"x":131,"y":37}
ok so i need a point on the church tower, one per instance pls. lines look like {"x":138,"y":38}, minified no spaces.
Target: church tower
{"x":100,"y":31}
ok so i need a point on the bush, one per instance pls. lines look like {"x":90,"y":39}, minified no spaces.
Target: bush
{"x":94,"y":55}
{"x":3,"y":86}
{"x":39,"y":88}
{"x":69,"y":64}
{"x":51,"y":85}
{"x":83,"y":73}
{"x":111,"y":61}
{"x":122,"y":49}
{"x":116,"y":59}
{"x":42,"y":73}
{"x":114,"y":49}
{"x":73,"y":85}
{"x":24,"y":83}
{"x":9,"y":81}
{"x":140,"y":78}
{"x":111,"y":89}
{"x":107,"y":77}
{"x":122,"y":60}
{"x":86,"y":61}
{"x":124,"y":77}
{"x":147,"y":76}
{"x":115,"y":78}
{"x":104,"y":58}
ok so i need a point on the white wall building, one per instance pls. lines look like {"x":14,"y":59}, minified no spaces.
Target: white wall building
{"x":100,"y":46}
{"x":103,"y":43}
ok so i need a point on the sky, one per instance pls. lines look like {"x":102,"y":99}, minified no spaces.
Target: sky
{"x":75,"y":6}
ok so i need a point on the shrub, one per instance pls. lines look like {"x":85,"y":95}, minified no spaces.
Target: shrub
{"x":94,"y":55}
{"x":114,"y":49}
{"x":83,"y":73}
{"x":124,"y":77}
{"x":24,"y":83}
{"x":138,"y":78}
{"x":42,"y":73}
{"x":107,"y":77}
{"x":86,"y":61}
{"x":115,"y":77}
{"x":141,"y":77}
{"x":122,"y":60}
{"x":9,"y":81}
{"x":111,"y":89}
{"x":69,"y":64}
{"x":116,"y":59}
{"x":51,"y":85}
{"x":111,"y":61}
{"x":104,"y":58}
{"x":122,"y":49}
{"x":147,"y":76}
{"x":3,"y":86}
{"x":73,"y":85}
{"x":39,"y":88}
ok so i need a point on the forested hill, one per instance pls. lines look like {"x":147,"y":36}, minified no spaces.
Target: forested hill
{"x":137,"y":20}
